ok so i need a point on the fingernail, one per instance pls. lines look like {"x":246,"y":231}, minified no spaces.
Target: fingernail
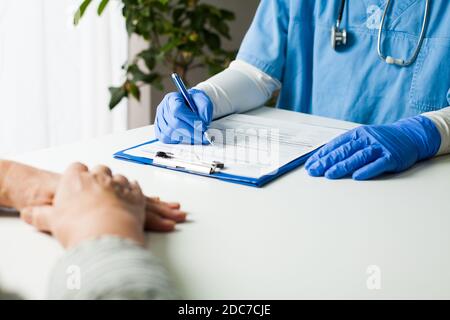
{"x":182,"y":215}
{"x":358,"y":177}
{"x":170,"y":224}
{"x":25,"y":214}
{"x":315,"y":169}
{"x":332,"y":174}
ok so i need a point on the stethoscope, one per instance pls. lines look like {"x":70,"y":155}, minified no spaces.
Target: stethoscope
{"x":339,"y":36}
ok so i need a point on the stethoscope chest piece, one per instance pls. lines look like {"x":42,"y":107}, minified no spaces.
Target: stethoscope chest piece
{"x":338,"y":37}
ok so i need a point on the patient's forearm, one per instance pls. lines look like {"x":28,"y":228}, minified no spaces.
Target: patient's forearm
{"x":4,"y":194}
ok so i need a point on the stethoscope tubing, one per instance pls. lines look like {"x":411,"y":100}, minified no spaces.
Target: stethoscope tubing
{"x":401,"y":62}
{"x":339,"y":35}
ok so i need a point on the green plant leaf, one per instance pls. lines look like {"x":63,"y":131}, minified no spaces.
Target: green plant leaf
{"x":134,"y":90}
{"x":80,"y":12}
{"x":102,"y":7}
{"x":212,"y":41}
{"x":140,"y":76}
{"x":117,"y":94}
{"x":136,"y":73}
{"x":149,"y":58}
{"x":227,"y":15}
{"x":177,"y":14}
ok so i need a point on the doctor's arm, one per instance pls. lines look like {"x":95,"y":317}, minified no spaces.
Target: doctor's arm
{"x":237,"y":89}
{"x":364,"y":153}
{"x":441,"y":119}
{"x":369,"y":151}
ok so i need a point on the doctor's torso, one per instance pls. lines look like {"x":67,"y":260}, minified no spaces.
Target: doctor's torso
{"x":352,"y":82}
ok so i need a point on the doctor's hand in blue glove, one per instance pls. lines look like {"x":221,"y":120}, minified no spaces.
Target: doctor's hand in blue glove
{"x":176,"y":123}
{"x":369,"y":151}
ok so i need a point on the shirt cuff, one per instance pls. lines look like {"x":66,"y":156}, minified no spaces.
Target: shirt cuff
{"x":441,"y":119}
{"x":109,"y":268}
{"x":239,"y":88}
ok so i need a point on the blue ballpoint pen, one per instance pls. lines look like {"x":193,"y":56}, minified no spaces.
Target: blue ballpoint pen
{"x":187,"y":97}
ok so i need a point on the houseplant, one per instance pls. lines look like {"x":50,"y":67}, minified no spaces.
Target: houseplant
{"x":182,"y":35}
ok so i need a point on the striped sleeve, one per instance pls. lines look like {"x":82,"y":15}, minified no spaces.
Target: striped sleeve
{"x":109,"y":268}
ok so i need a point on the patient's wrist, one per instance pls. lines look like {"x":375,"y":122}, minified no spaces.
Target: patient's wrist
{"x":101,"y":224}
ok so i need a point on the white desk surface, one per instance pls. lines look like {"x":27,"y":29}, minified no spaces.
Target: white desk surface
{"x":298,"y":237}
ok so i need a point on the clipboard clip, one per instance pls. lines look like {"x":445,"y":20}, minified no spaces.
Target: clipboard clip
{"x":167,"y":159}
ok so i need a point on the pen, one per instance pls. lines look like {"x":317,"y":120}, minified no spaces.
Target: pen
{"x":187,"y":97}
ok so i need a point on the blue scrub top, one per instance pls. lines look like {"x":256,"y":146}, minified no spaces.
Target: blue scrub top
{"x":290,"y":40}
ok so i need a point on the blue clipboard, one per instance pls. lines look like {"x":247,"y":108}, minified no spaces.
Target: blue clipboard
{"x":248,"y":181}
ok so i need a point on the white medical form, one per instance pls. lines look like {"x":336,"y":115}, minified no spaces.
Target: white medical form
{"x":248,"y":145}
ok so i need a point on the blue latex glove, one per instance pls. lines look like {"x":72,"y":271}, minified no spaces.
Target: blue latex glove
{"x":369,"y":151}
{"x":176,"y":123}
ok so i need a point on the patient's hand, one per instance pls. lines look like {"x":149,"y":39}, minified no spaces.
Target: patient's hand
{"x":162,"y":216}
{"x":25,"y":186}
{"x":88,"y":205}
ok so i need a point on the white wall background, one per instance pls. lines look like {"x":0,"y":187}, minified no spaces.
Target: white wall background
{"x":54,"y":77}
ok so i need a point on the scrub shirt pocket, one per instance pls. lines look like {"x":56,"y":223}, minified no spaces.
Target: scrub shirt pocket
{"x":431,"y":78}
